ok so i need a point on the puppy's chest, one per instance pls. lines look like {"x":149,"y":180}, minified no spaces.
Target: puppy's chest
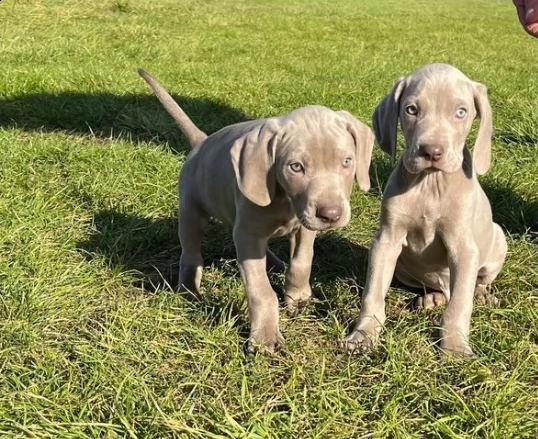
{"x":425,"y":211}
{"x":421,"y":238}
{"x":423,"y":229}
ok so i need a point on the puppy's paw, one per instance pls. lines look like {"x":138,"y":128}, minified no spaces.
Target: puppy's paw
{"x":190,"y":292}
{"x":297,"y":299}
{"x":358,"y":341}
{"x":428,"y":301}
{"x":190,"y":296}
{"x":484,"y":297}
{"x":457,"y":348}
{"x":189,"y":282}
{"x":265,"y":340}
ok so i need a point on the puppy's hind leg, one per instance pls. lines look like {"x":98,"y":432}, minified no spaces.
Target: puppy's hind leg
{"x":192,"y":224}
{"x":489,"y":271}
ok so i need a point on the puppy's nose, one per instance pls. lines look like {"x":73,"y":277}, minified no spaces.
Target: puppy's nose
{"x":329,"y":214}
{"x":431,"y":152}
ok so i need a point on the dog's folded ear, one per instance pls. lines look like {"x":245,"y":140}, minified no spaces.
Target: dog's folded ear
{"x":385,"y":118}
{"x":364,"y":145}
{"x":253,"y":158}
{"x":482,"y":146}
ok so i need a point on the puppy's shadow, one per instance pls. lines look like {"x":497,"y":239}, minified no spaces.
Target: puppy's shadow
{"x":149,"y":248}
{"x":104,"y":116}
{"x":337,"y":260}
{"x":514,"y":214}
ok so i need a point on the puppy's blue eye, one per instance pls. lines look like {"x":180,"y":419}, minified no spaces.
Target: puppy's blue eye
{"x":412,"y":110}
{"x":461,"y":113}
{"x":347,"y":162}
{"x":297,"y":167}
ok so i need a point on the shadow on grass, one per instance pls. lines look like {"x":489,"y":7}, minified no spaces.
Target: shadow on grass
{"x":150,"y":250}
{"x":135,"y":117}
{"x":337,"y":259}
{"x":515,"y":138}
{"x":150,"y":247}
{"x":514,"y":214}
{"x":140,"y":117}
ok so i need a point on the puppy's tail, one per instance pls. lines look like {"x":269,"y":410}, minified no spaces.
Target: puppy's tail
{"x":186,"y":125}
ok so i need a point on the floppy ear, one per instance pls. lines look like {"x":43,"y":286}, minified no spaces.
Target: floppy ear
{"x":253,"y":159}
{"x":364,"y":144}
{"x":482,"y":146}
{"x":385,"y":118}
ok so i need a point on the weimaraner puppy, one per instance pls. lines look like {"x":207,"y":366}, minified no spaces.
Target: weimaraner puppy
{"x":289,"y":175}
{"x":436,"y":230}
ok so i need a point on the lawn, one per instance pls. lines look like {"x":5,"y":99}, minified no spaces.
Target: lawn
{"x":95,"y":343}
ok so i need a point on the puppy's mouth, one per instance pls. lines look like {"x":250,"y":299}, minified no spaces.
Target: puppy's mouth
{"x":308,"y":225}
{"x":432,"y":168}
{"x":316,"y":224}
{"x":419,"y":164}
{"x":446,"y":168}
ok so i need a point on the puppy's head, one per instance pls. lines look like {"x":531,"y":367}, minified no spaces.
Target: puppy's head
{"x":436,"y":106}
{"x":312,"y":155}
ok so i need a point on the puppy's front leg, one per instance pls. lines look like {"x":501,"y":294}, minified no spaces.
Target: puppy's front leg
{"x":297,"y":286}
{"x":463,"y":261}
{"x":262,"y":300}
{"x":384,"y":252}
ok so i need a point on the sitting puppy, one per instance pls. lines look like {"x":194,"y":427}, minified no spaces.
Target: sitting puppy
{"x":436,"y":230}
{"x":289,"y":175}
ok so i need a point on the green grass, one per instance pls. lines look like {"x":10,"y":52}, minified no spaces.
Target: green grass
{"x":94,"y":343}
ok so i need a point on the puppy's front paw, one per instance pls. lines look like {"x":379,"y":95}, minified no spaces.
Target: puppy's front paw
{"x":358,"y":341}
{"x":268,"y":339}
{"x":297,"y":299}
{"x":456,"y":347}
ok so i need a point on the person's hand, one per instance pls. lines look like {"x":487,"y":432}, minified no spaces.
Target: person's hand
{"x":527,"y":11}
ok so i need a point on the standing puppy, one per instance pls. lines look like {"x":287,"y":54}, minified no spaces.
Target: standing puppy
{"x":290,"y":175}
{"x":436,"y":229}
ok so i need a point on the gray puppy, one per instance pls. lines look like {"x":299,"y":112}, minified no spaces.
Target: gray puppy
{"x":436,"y":230}
{"x":289,"y":175}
